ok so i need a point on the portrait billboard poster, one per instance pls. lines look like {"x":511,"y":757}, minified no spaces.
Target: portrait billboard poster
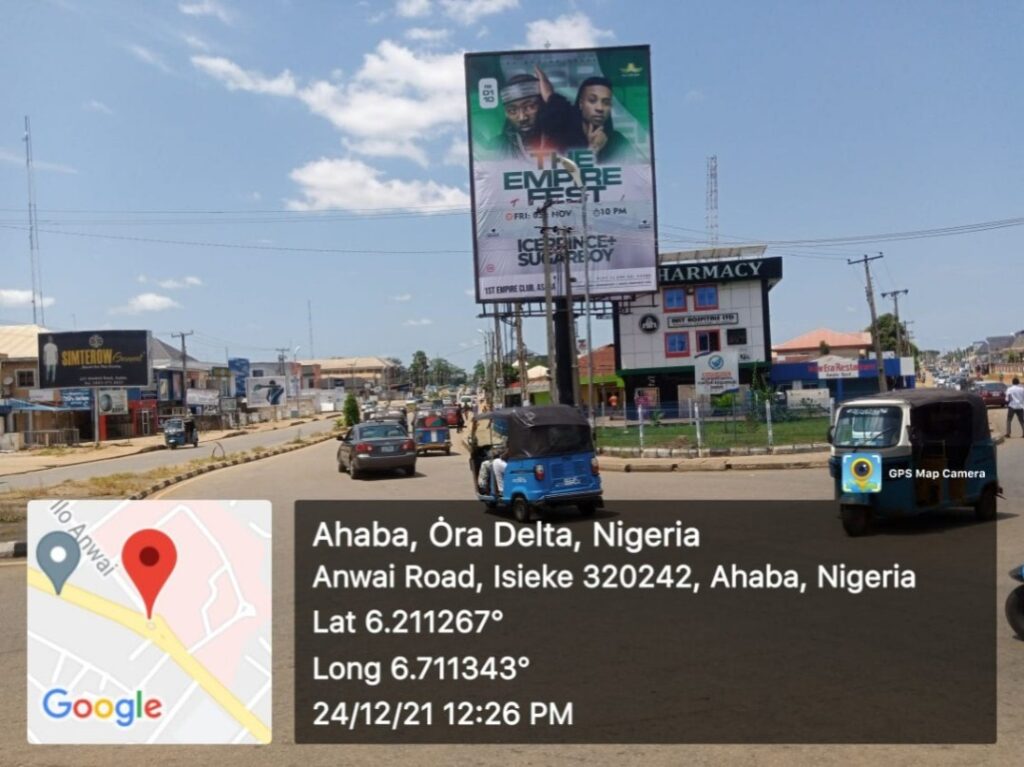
{"x":528,"y":109}
{"x":105,"y":358}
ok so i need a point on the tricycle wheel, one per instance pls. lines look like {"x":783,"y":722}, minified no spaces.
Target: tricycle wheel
{"x":353,"y":472}
{"x":856,"y":520}
{"x":588,"y":509}
{"x":174,"y":446}
{"x":985,"y":508}
{"x":521,"y":509}
{"x":1015,"y":611}
{"x":448,"y":450}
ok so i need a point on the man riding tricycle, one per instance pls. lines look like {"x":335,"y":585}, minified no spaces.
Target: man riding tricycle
{"x":907,"y":452}
{"x":179,"y":432}
{"x":534,"y":458}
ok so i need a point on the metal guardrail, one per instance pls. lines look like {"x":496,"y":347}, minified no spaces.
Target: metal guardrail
{"x":50,"y":437}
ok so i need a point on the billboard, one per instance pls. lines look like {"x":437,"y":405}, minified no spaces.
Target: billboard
{"x":265,"y":391}
{"x":94,"y":358}
{"x":113,"y":402}
{"x":716,"y":373}
{"x":239,"y":367}
{"x":528,"y":109}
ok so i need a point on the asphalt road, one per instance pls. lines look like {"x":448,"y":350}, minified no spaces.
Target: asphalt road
{"x":311,"y":474}
{"x":147,"y":461}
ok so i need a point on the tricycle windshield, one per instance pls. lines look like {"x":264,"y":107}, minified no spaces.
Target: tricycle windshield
{"x":174,"y":424}
{"x":868,"y":426}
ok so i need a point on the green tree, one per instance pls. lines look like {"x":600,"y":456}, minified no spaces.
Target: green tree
{"x":419,"y":369}
{"x":824,"y":348}
{"x":351,"y":410}
{"x":887,"y":335}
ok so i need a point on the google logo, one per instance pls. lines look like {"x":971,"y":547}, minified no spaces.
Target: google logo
{"x":57,"y":705}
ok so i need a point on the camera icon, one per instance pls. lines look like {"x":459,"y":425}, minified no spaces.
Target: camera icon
{"x":862,"y":473}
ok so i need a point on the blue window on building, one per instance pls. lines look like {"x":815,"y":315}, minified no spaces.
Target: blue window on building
{"x":705,"y":297}
{"x":677,"y":344}
{"x":674,"y":299}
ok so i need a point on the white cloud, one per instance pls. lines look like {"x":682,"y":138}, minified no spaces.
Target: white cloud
{"x":349,"y":184}
{"x":146,"y":302}
{"x":567,"y":31}
{"x":418,"y":323}
{"x":94,"y":105}
{"x":206,"y":8}
{"x":458,"y":153}
{"x":395,"y":101}
{"x":237,"y":79}
{"x":471,"y":293}
{"x":16,"y":299}
{"x":172,"y":284}
{"x":255,"y":196}
{"x":694,"y":95}
{"x":197,"y":43}
{"x":17,"y":158}
{"x":426,"y":35}
{"x":402,"y":298}
{"x":470,"y":11}
{"x":149,"y":57}
{"x":412,"y":9}
{"x":143,"y":279}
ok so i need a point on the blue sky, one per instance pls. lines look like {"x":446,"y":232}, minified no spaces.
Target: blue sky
{"x":160,"y":129}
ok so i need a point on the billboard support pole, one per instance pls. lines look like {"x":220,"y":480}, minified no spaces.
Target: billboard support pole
{"x":96,"y":416}
{"x":570,"y":317}
{"x":548,"y":309}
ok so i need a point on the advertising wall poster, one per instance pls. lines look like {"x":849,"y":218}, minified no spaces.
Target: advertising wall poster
{"x":113,"y":402}
{"x":95,"y":358}
{"x":239,"y":367}
{"x":266,"y":391}
{"x":528,"y":109}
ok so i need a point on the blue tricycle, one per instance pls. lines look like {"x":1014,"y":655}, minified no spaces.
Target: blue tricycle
{"x":549,"y":460}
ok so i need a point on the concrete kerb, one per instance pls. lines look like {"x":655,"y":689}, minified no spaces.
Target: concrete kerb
{"x":18,"y":549}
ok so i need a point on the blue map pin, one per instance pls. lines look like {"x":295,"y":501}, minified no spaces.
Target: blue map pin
{"x":58,"y":554}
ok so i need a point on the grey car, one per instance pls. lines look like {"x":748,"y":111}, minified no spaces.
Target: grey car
{"x":376,"y":446}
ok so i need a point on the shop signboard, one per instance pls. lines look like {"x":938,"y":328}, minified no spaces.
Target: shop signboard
{"x":703,"y":319}
{"x":105,"y":358}
{"x":76,"y":399}
{"x":832,"y":366}
{"x":716,"y":373}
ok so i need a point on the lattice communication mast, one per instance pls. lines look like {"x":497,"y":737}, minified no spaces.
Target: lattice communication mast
{"x":711,"y":203}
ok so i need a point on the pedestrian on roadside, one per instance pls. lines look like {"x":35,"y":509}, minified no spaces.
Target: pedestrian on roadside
{"x":1015,"y":406}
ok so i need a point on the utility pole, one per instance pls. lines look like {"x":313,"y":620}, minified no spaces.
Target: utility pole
{"x":549,"y":319}
{"x":883,"y":385}
{"x":895,"y":296}
{"x":499,"y":362}
{"x":524,"y":383}
{"x":184,"y":368}
{"x":33,"y":233}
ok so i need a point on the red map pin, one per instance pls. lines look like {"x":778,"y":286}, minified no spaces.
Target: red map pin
{"x":149,"y":557}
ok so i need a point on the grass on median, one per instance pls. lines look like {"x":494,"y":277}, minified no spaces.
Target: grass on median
{"x":739,"y":433}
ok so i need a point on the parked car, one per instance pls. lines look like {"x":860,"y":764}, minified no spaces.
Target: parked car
{"x":376,"y":446}
{"x":992,"y":393}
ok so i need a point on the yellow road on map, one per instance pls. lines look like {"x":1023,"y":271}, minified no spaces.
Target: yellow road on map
{"x":160,"y":634}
